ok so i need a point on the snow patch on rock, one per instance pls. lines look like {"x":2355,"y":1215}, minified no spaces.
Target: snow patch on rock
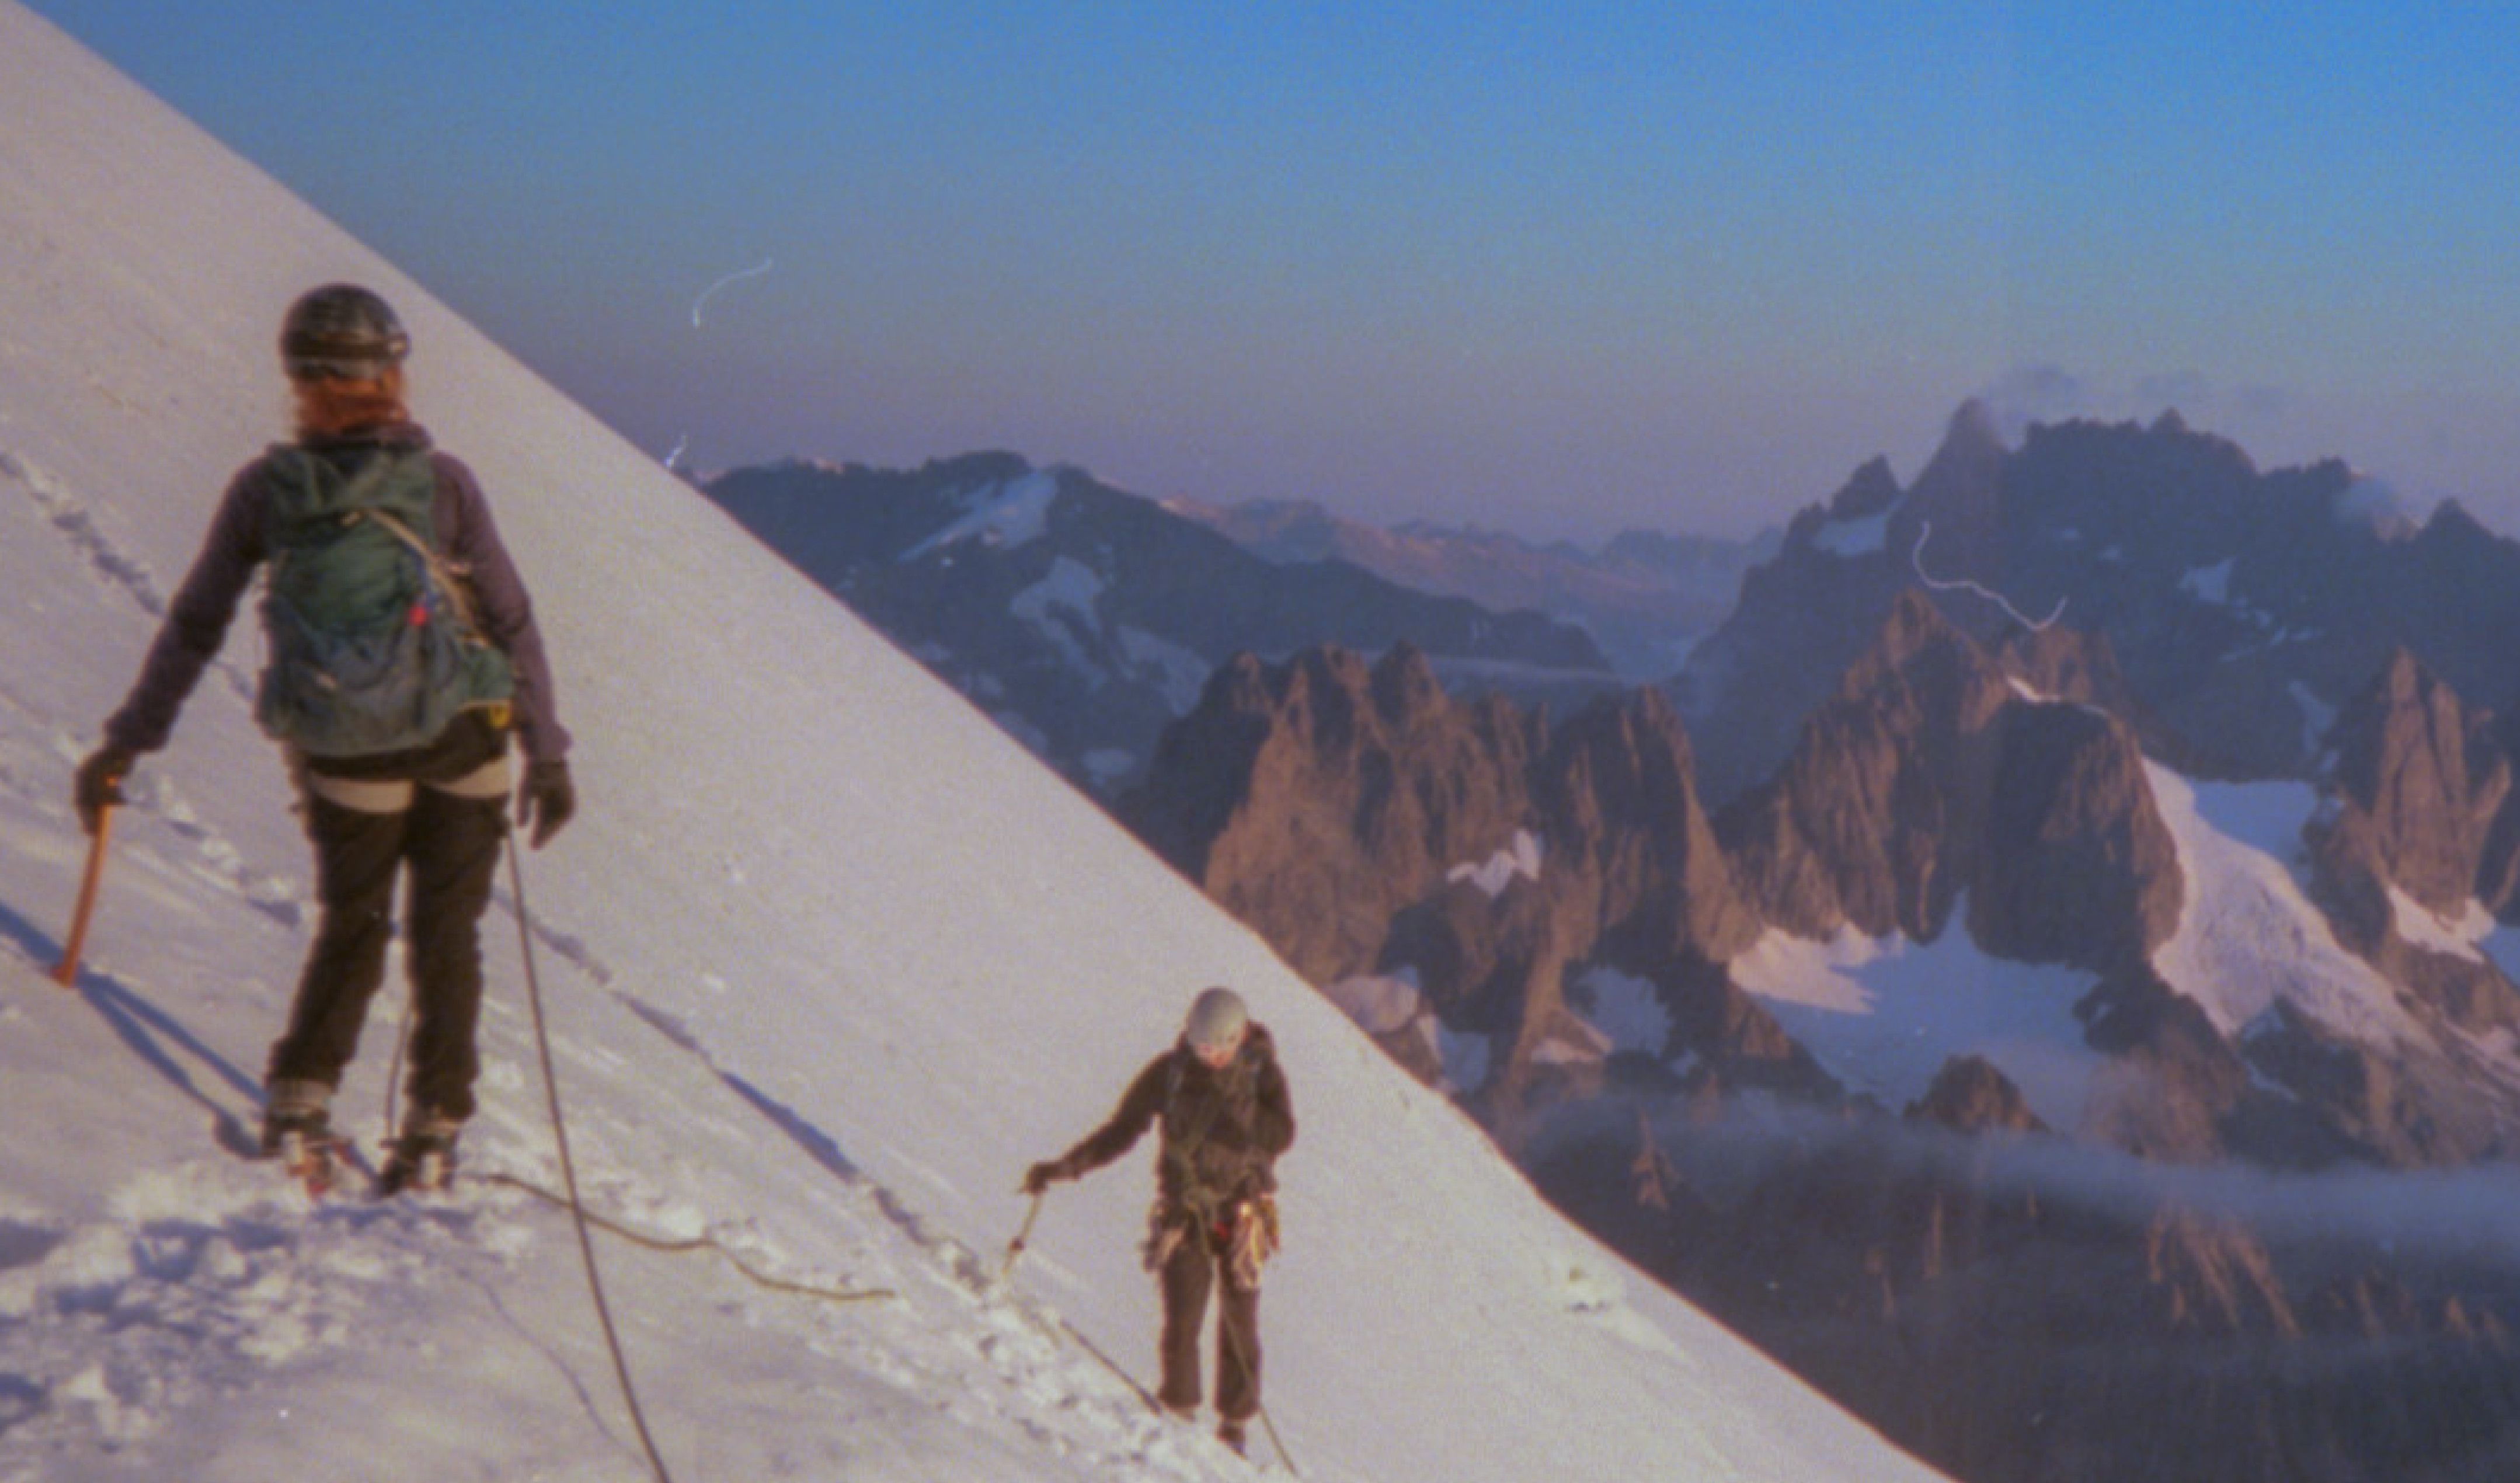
{"x":2209,"y":584}
{"x":1518,"y":861}
{"x":1176,"y":669}
{"x":1061,"y":607}
{"x":1869,"y":535}
{"x":1625,"y":1009}
{"x":2418,"y":924}
{"x":1884,"y":1014}
{"x":1005,"y":516}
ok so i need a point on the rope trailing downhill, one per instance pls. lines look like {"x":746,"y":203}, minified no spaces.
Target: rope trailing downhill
{"x":569,"y":1168}
{"x":677,"y":1245}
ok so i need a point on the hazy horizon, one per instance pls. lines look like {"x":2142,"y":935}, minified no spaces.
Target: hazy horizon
{"x":1552,"y":272}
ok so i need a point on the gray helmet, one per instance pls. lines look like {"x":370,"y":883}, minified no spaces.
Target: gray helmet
{"x":340,"y":332}
{"x":1216,"y":1019}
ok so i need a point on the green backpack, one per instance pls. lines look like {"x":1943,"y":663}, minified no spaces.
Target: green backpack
{"x":372,"y":643}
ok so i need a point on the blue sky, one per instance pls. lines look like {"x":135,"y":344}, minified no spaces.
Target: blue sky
{"x":1555,"y":268}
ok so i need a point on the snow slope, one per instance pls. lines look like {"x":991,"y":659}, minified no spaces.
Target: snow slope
{"x":2248,"y":935}
{"x":1884,"y":1016}
{"x":828,"y":960}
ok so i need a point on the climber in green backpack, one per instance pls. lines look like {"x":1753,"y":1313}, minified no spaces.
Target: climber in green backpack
{"x":402,"y":655}
{"x":1222,"y":1102}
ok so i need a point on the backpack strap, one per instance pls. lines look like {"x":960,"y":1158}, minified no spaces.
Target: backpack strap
{"x":450,"y":576}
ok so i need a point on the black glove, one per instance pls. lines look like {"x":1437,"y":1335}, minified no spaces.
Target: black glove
{"x":546,"y":801}
{"x":99,"y":783}
{"x":1041,"y":1176}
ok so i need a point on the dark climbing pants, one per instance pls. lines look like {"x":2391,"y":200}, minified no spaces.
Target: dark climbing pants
{"x":1189,"y":1273}
{"x":451,"y":847}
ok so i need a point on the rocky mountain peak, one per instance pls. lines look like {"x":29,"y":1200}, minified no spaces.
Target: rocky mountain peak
{"x":1973,"y":431}
{"x":1404,"y":687}
{"x":2243,"y":606}
{"x":2419,"y":820}
{"x":1970,"y":1095}
{"x":1861,"y":824}
{"x":1367,"y":823}
{"x":993,"y":465}
{"x":2451,"y":526}
{"x":1618,"y":790}
{"x":1929,"y":775}
{"x":1324,"y":698}
{"x":1870,"y":490}
{"x":1920,"y":652}
{"x":1959,"y":485}
{"x":2076,"y":865}
{"x":1913,"y":626}
{"x":2419,"y":780}
{"x":1635,"y":724}
{"x":1317,"y":797}
{"x":1241,"y":683}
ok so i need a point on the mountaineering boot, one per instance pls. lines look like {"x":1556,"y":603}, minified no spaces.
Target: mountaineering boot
{"x":298,"y":1129}
{"x":293,"y":1112}
{"x":422,"y":1158}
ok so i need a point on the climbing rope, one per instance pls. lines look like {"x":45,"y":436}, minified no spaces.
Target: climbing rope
{"x":1242,"y":1353}
{"x":677,"y":1245}
{"x":569,"y":1168}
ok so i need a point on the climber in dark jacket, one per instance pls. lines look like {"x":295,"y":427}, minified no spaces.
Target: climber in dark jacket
{"x":432,"y":809}
{"x":1222,"y":1104}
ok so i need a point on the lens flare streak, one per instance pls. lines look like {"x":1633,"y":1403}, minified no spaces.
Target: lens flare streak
{"x":702,"y":303}
{"x":1917,"y":559}
{"x":699,"y":305}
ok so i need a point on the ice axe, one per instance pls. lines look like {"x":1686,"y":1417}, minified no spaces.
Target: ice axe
{"x":66,"y":972}
{"x":1014,"y":1248}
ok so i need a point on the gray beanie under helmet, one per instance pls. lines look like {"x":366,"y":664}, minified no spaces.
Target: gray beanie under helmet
{"x":1216,"y":1017}
{"x":340,"y":332}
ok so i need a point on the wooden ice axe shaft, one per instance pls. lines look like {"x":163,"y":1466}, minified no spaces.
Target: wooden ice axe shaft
{"x":66,"y":972}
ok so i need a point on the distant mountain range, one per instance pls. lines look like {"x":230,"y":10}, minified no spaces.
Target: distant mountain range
{"x":2243,"y":606}
{"x":2085,"y":810}
{"x":2268,"y":954}
{"x":1086,"y":618}
{"x":1647,"y":597}
{"x":2103,"y":799}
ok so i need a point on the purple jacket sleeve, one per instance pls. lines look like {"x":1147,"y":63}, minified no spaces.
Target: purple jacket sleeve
{"x":465,"y":532}
{"x":196,"y":622}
